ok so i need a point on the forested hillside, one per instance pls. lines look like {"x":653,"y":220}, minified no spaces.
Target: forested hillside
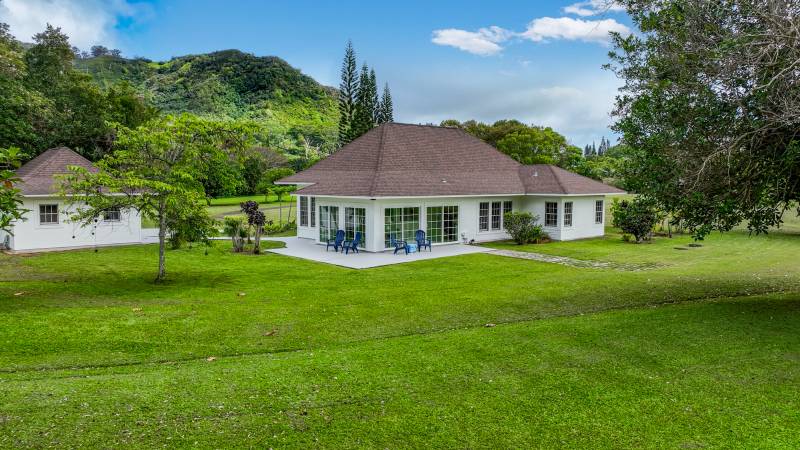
{"x":295,"y":113}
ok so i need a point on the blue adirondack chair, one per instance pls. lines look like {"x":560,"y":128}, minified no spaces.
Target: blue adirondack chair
{"x":422,"y":242}
{"x":397,"y":244}
{"x":335,"y":242}
{"x":352,"y":245}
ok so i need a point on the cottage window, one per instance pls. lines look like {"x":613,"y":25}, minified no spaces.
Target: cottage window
{"x":483,"y":216}
{"x":551,"y":214}
{"x":313,"y":212}
{"x":48,"y":214}
{"x":303,"y":211}
{"x":112,"y":214}
{"x":598,"y":211}
{"x":567,"y":214}
{"x":497,"y":219}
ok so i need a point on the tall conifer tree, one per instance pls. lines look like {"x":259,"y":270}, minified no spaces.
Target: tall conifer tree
{"x":364,"y":119}
{"x":385,"y":108}
{"x":348,"y":89}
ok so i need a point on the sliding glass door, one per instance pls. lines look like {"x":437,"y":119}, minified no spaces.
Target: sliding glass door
{"x":442,"y":224}
{"x":355,"y":221}
{"x":328,"y":222}
{"x":402,"y":223}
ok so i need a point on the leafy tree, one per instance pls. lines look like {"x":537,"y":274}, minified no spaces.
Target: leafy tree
{"x":156,"y":169}
{"x":710,"y":109}
{"x":636,"y":217}
{"x":10,"y":200}
{"x":222,"y":177}
{"x":80,"y":111}
{"x":535,"y":145}
{"x":24,"y":112}
{"x":116,"y":53}
{"x":98,"y":50}
{"x":385,"y":108}
{"x":258,"y":161}
{"x":347,"y":95}
{"x":127,"y":107}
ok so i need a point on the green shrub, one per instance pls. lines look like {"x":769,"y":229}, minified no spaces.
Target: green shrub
{"x":523,"y":228}
{"x":637,"y":217}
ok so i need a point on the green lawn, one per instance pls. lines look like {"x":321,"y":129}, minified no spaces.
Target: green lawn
{"x":701,"y":351}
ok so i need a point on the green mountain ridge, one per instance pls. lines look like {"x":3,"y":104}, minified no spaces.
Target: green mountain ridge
{"x":294,"y":111}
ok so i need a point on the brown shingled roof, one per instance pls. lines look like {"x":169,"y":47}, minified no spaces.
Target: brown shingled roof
{"x":37,"y":176}
{"x":402,"y":160}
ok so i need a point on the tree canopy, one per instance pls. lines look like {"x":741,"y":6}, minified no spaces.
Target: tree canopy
{"x":710,"y":109}
{"x":158,"y":169}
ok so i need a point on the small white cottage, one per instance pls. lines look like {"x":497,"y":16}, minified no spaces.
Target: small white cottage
{"x":47,"y":225}
{"x":399,"y":178}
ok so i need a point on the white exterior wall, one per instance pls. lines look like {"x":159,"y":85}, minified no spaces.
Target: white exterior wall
{"x":583,"y":223}
{"x":467,"y":216}
{"x":583,"y":216}
{"x":31,"y":235}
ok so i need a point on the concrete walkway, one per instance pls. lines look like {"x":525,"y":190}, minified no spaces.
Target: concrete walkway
{"x":308,"y":249}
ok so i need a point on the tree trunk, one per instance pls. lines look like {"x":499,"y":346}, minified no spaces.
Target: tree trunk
{"x":257,"y":246}
{"x":162,"y":238}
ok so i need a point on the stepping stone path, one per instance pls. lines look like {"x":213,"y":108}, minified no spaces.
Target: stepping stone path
{"x":572,"y":262}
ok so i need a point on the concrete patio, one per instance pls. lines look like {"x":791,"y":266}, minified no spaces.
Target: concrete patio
{"x":308,"y":249}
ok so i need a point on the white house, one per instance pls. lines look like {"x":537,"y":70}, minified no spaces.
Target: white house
{"x":47,"y":225}
{"x":399,"y":178}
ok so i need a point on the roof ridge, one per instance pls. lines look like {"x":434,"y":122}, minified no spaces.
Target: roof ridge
{"x":557,"y":177}
{"x":379,"y":160}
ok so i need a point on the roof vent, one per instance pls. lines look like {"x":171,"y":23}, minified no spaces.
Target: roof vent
{"x":536,"y":173}
{"x":444,"y":181}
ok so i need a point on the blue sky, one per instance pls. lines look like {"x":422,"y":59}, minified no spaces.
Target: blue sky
{"x":536,"y":61}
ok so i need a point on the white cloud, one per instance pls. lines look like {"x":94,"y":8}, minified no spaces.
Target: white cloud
{"x":86,"y":22}
{"x":483,"y":42}
{"x":487,"y":41}
{"x":593,"y":7}
{"x":571,"y":29}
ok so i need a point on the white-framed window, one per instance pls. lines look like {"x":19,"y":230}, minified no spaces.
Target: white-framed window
{"x":567,"y":214}
{"x":355,"y":221}
{"x":313,"y":212}
{"x":303,"y":211}
{"x":598,"y":211}
{"x":112,"y":214}
{"x":400,"y":223}
{"x":48,"y":214}
{"x":442,"y":223}
{"x":483,"y":216}
{"x":551,"y":214}
{"x":497,"y":217}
